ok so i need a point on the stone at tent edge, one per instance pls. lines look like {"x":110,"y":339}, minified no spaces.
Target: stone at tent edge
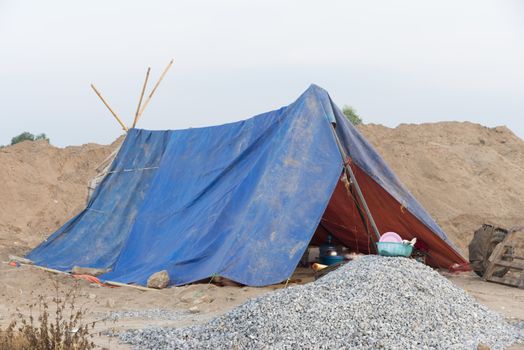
{"x":158,"y":280}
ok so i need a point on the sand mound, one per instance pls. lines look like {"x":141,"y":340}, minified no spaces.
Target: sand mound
{"x":464,"y":174}
{"x":42,"y":187}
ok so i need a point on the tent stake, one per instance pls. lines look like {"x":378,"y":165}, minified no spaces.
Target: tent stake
{"x":110,"y":109}
{"x":141,"y":97}
{"x":154,"y":89}
{"x":353,"y":179}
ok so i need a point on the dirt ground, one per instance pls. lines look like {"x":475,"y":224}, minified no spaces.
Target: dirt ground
{"x":186,"y":305}
{"x":464,"y":174}
{"x":22,"y":286}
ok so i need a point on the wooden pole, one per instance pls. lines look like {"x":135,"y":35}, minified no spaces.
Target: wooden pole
{"x":20,"y":260}
{"x":49,"y":270}
{"x":353,"y":179}
{"x":110,"y":109}
{"x":154,"y":89}
{"x":111,"y":283}
{"x":141,"y":97}
{"x":119,"y":284}
{"x":364,"y":203}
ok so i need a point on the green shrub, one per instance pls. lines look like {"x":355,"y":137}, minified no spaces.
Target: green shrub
{"x":351,"y":115}
{"x":27,"y":136}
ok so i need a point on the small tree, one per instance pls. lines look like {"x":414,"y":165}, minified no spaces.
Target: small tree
{"x":351,"y":115}
{"x":27,"y":136}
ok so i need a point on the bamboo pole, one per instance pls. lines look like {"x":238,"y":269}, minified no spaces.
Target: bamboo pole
{"x":20,"y":260}
{"x":108,"y":160}
{"x":364,"y":203}
{"x":112,"y":283}
{"x":353,"y":179}
{"x":110,"y":109}
{"x":118,"y":284}
{"x":141,"y":97}
{"x":154,"y":89}
{"x":49,"y":270}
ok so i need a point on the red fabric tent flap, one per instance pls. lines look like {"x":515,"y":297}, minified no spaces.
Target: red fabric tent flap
{"x":342,"y":219}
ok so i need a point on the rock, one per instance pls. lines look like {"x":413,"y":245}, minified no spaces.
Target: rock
{"x":194,"y":310}
{"x":158,"y":280}
{"x":483,"y":346}
{"x":92,"y":296}
{"x":204,"y":299}
{"x":186,"y":299}
{"x":91,"y":271}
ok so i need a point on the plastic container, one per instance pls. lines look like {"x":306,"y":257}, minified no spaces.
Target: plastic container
{"x":328,"y":247}
{"x":394,"y":249}
{"x":331,"y":260}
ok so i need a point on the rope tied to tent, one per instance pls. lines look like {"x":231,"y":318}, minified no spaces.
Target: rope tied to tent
{"x":212,"y":278}
{"x":347,"y":161}
{"x":96,"y":210}
{"x":131,"y":170}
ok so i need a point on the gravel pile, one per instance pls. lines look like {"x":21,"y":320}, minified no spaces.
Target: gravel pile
{"x":371,"y":303}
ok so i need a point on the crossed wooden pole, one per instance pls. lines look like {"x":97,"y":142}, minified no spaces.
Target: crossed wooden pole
{"x":140,"y":108}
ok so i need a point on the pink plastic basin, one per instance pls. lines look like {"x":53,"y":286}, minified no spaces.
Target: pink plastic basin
{"x":391,"y":237}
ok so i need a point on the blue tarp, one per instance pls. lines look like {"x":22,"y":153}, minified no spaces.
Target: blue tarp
{"x":240,"y":200}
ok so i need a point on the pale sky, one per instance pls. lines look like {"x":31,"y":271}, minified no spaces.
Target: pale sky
{"x":393,"y":61}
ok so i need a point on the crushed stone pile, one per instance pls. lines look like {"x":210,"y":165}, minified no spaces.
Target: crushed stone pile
{"x":371,"y":303}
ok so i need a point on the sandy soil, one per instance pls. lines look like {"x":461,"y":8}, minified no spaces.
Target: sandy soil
{"x":43,"y":186}
{"x":463,"y":173}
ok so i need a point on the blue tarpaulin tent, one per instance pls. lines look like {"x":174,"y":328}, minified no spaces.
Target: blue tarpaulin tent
{"x":240,"y":200}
